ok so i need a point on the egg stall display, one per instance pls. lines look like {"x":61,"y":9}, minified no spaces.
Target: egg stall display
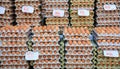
{"x":56,"y":12}
{"x":108,"y":12}
{"x":108,"y":41}
{"x":5,"y":12}
{"x":82,"y":13}
{"x":46,"y":43}
{"x":79,"y":48}
{"x":13,"y":47}
{"x":28,"y":12}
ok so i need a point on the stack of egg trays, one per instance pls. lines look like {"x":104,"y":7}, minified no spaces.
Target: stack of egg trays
{"x":46,"y":43}
{"x":82,"y":20}
{"x":107,"y":62}
{"x":79,"y":55}
{"x":108,"y":17}
{"x":13,"y":47}
{"x":32,"y":19}
{"x":6,"y":19}
{"x":51,"y":5}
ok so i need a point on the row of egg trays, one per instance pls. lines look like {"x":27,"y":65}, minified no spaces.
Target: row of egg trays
{"x":108,"y":18}
{"x":111,"y":1}
{"x":13,"y":43}
{"x":14,"y":67}
{"x":14,"y":62}
{"x":47,"y":66}
{"x":4,"y":58}
{"x":50,"y":29}
{"x":34,"y":23}
{"x":57,"y":21}
{"x":100,"y":4}
{"x":82,"y":1}
{"x":4,"y":22}
{"x":77,"y":5}
{"x":79,"y":66}
{"x":46,"y":43}
{"x":55,"y":0}
{"x":58,"y":5}
{"x":20,"y":3}
{"x":16,"y":48}
{"x":101,"y":12}
{"x":48,"y":52}
{"x":47,"y":61}
{"x":14,"y":29}
{"x":108,"y":24}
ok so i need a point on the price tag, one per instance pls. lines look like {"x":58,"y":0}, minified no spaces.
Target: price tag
{"x":83,"y":12}
{"x":110,"y":7}
{"x":111,"y":53}
{"x":58,"y":13}
{"x":2,"y":10}
{"x":31,"y":55}
{"x":27,"y":9}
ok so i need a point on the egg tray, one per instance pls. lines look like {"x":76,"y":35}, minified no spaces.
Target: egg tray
{"x":15,"y":67}
{"x":107,"y":62}
{"x":57,"y":21}
{"x":53,"y":5}
{"x":55,"y":0}
{"x":85,"y":1}
{"x":6,"y":18}
{"x":85,"y":5}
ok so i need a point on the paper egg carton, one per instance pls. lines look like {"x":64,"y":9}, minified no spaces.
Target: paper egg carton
{"x":32,"y":19}
{"x":6,"y":18}
{"x":107,"y":17}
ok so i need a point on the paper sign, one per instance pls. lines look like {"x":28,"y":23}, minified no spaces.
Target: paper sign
{"x":58,"y":13}
{"x":110,"y":7}
{"x":27,"y":9}
{"x":2,"y":10}
{"x":31,"y":55}
{"x":111,"y":53}
{"x":83,"y":12}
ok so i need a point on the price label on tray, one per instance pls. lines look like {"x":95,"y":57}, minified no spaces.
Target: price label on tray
{"x":2,"y":10}
{"x":31,"y":55}
{"x":110,"y":7}
{"x":83,"y":12}
{"x":111,"y":53}
{"x":58,"y":13}
{"x":27,"y":9}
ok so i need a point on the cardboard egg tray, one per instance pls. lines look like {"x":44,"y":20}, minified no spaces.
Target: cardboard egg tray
{"x":6,"y":19}
{"x":107,"y":38}
{"x":82,"y":20}
{"x":13,"y":48}
{"x":79,"y":48}
{"x":46,"y":43}
{"x":49,"y":6}
{"x":108,"y":62}
{"x":107,"y":17}
{"x":32,"y":19}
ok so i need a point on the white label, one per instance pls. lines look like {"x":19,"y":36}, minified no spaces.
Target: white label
{"x":27,"y":9}
{"x":2,"y":10}
{"x":58,"y":13}
{"x":111,"y":53}
{"x":110,"y":7}
{"x":83,"y":12}
{"x":31,"y":55}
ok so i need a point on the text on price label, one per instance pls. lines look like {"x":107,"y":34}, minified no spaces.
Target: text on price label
{"x":58,"y":13}
{"x":110,"y":7}
{"x":2,"y":10}
{"x":27,"y":9}
{"x":111,"y":53}
{"x":83,"y":12}
{"x":31,"y":55}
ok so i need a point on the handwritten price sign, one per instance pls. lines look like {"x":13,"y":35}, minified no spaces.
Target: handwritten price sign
{"x":111,"y":53}
{"x":83,"y":12}
{"x":110,"y":7}
{"x":2,"y":10}
{"x":58,"y":13}
{"x":27,"y":9}
{"x":31,"y":55}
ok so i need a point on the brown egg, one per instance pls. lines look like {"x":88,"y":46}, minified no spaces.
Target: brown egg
{"x":75,"y":42}
{"x":70,"y":42}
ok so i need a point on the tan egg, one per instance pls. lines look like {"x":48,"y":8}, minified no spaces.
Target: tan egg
{"x":75,"y":42}
{"x":65,"y":31}
{"x":70,"y":42}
